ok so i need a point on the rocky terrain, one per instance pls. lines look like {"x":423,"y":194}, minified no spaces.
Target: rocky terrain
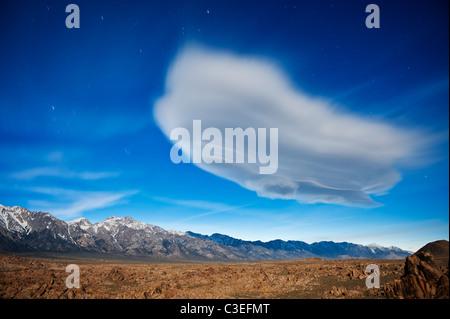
{"x":425,"y":274}
{"x":26,"y":277}
{"x":124,"y":258}
{"x":22,"y":230}
{"x":439,"y":249}
{"x":418,"y":277}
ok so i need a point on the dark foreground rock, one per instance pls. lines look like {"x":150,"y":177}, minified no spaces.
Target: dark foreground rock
{"x":423,"y":279}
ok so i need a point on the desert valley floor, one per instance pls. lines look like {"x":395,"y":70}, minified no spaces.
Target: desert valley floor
{"x":26,"y":277}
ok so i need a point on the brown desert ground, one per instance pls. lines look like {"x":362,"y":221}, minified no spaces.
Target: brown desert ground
{"x":30,"y":277}
{"x":27,"y":277}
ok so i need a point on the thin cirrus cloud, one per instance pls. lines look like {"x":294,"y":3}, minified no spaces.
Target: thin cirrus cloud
{"x":200,"y":204}
{"x":326,"y":155}
{"x":210,"y":208}
{"x":68,"y":203}
{"x":72,"y":203}
{"x":33,"y":173}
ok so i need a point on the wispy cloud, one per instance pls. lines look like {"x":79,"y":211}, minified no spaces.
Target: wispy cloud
{"x":326,"y":155}
{"x":415,"y":98}
{"x":33,"y":173}
{"x":210,"y":207}
{"x":68,"y":203}
{"x":65,"y":202}
{"x":54,"y":157}
{"x":201,"y":204}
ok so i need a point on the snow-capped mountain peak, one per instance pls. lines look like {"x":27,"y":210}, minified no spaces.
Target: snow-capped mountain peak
{"x":177,"y":232}
{"x":15,"y":219}
{"x":82,"y":222}
{"x":115,"y":222}
{"x":24,"y":230}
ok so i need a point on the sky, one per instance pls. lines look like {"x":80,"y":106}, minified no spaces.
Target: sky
{"x":362,"y":115}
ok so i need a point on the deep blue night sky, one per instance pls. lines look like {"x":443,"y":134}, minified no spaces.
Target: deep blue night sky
{"x":78,"y":135}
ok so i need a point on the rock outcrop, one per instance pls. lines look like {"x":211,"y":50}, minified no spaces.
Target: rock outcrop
{"x":439,"y":249}
{"x":423,"y":279}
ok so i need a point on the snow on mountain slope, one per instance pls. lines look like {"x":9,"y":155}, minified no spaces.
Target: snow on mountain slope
{"x":24,"y":230}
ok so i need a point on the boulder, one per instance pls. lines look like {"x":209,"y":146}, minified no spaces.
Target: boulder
{"x":422,"y":279}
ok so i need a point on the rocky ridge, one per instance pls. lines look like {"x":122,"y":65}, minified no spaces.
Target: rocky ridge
{"x":425,"y":276}
{"x":22,"y":230}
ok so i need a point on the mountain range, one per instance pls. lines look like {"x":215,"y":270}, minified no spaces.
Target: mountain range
{"x":22,"y":230}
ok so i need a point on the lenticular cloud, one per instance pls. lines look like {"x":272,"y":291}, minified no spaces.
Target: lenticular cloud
{"x":326,"y":155}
